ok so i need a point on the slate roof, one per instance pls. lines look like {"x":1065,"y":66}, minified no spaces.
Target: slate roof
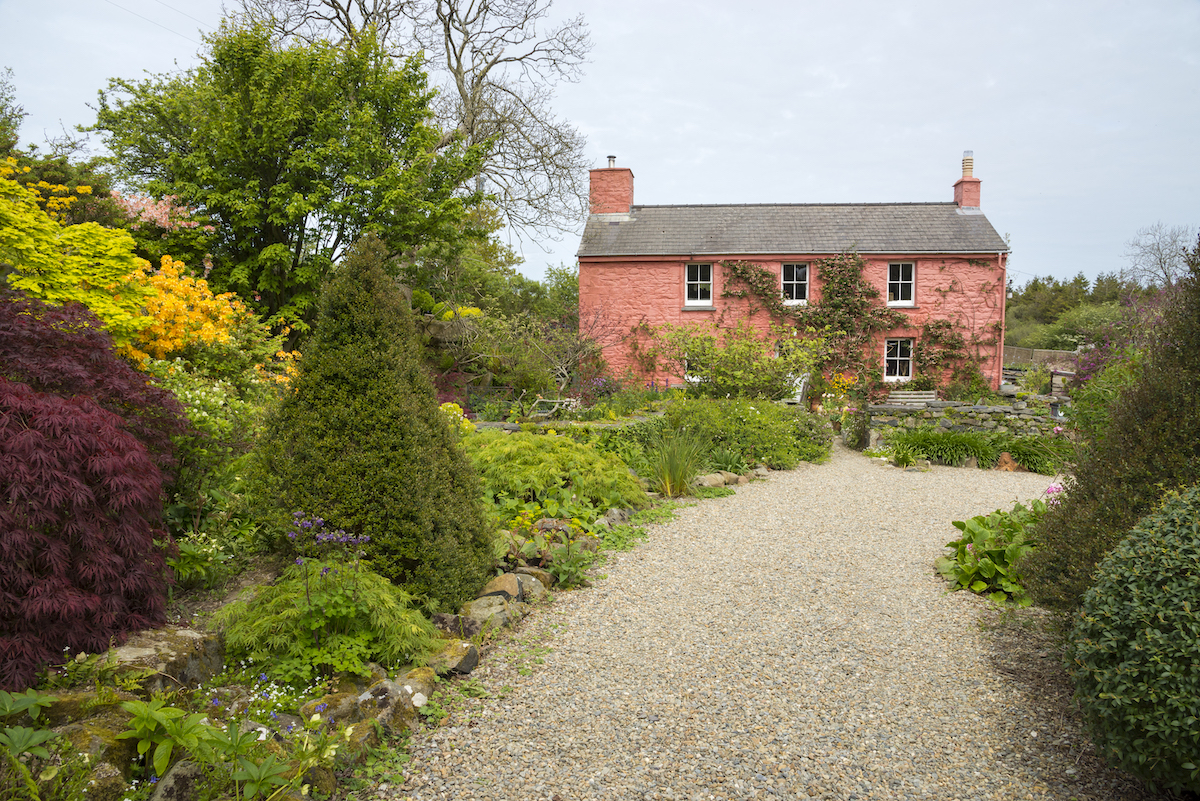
{"x":809,"y":228}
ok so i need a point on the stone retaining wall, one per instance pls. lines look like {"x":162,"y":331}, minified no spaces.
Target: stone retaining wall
{"x":1019,"y":418}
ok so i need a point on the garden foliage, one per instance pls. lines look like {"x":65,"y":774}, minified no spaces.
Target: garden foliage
{"x":984,"y":558}
{"x":761,"y":431}
{"x":555,"y":473}
{"x":61,"y":264}
{"x":80,"y":433}
{"x":294,"y":150}
{"x":361,"y":438}
{"x":1149,"y":445}
{"x":1045,"y":455}
{"x":1135,"y":648}
{"x":324,"y":617}
{"x":738,"y":361}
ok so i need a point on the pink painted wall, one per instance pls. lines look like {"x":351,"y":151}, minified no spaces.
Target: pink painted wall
{"x":616,"y":293}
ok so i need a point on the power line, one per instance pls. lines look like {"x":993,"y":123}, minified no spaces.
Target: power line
{"x":184,"y":13}
{"x":152,"y":22}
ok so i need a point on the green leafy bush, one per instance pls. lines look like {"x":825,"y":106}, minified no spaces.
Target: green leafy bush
{"x":1150,"y":444}
{"x":778,"y":436}
{"x":422,"y":301}
{"x":738,"y":362}
{"x":324,"y":617}
{"x":528,"y":468}
{"x":1135,"y":648}
{"x":361,"y":438}
{"x":984,"y":558}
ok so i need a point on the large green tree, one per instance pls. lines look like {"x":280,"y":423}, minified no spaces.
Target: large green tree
{"x":294,"y":150}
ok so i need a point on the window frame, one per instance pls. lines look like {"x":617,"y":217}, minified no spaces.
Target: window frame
{"x":900,"y":358}
{"x":783,"y":282}
{"x":900,"y":282}
{"x":699,"y":282}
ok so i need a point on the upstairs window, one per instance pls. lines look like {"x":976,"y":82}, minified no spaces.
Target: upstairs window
{"x":897,"y":360}
{"x":698,"y":286}
{"x":900,"y":284}
{"x":795,"y":284}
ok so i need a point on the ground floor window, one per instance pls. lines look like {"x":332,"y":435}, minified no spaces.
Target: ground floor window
{"x":897,"y":360}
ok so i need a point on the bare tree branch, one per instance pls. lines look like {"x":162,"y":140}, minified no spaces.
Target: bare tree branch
{"x":1158,"y":254}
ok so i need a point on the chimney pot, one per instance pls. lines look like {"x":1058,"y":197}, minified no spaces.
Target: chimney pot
{"x":612,"y":161}
{"x":966,"y":189}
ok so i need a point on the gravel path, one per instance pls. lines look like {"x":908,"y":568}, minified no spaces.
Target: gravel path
{"x":790,"y":641}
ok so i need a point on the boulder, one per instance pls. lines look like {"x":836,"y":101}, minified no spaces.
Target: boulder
{"x":730,"y":478}
{"x":459,"y":656}
{"x":555,"y":524}
{"x":506,"y":585}
{"x":183,"y":781}
{"x":171,"y":658}
{"x":710,"y":480}
{"x":494,"y":611}
{"x":532,"y":589}
{"x":457,"y":625}
{"x":762,"y":471}
{"x":419,"y":680}
{"x":544,"y":576}
{"x":617,"y":517}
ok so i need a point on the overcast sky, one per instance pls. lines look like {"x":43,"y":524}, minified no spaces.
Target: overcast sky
{"x":1083,"y":116}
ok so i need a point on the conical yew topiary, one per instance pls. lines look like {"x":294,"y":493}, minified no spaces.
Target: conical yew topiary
{"x":361,"y":442}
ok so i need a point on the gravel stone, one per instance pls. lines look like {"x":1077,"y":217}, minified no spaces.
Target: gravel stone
{"x":791,"y":641}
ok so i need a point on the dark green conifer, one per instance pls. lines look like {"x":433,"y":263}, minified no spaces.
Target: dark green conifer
{"x":360,"y":442}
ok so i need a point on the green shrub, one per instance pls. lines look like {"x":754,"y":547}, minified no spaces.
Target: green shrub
{"x":739,"y":362}
{"x":1150,"y":444}
{"x":325,"y":617}
{"x":984,"y":557}
{"x":778,"y":436}
{"x":1135,"y":649}
{"x":521,"y":468}
{"x":362,"y":439}
{"x":422,"y":301}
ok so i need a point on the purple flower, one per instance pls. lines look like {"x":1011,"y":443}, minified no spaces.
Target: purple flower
{"x":153,"y":779}
{"x":299,"y":560}
{"x":325,"y":571}
{"x":322,"y":707}
{"x":262,"y":676}
{"x":292,"y":535}
{"x":216,"y":701}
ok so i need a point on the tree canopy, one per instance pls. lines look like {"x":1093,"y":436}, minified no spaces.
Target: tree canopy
{"x":293,"y":150}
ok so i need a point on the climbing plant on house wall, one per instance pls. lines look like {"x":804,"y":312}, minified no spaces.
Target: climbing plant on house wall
{"x":848,"y":314}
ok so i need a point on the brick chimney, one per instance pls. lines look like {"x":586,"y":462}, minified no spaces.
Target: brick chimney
{"x":966,"y":189}
{"x":611,"y":189}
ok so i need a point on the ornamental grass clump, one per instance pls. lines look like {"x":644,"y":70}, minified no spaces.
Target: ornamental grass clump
{"x":674,"y":460}
{"x":1135,"y":649}
{"x":361,"y":437}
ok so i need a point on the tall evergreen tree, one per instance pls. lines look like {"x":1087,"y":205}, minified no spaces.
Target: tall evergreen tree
{"x":361,"y":441}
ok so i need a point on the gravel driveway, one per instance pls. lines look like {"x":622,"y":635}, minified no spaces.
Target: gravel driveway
{"x":790,"y":641}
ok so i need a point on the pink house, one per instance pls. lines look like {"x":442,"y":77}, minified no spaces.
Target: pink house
{"x":662,"y":264}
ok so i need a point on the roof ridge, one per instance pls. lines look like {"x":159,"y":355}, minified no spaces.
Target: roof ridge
{"x":781,"y":205}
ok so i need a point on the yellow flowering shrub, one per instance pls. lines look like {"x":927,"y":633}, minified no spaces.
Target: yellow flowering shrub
{"x":55,"y":199}
{"x":183,"y":311}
